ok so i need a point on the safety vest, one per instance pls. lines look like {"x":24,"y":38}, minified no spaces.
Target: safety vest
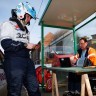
{"x":90,"y":54}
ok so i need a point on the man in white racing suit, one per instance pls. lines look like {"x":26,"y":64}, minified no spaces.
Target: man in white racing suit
{"x":18,"y":66}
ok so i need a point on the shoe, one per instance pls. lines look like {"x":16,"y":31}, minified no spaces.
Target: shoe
{"x":65,"y":92}
{"x":68,"y":93}
{"x":76,"y":93}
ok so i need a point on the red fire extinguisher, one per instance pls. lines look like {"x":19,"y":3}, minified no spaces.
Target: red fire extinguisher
{"x":48,"y":82}
{"x":47,"y":78}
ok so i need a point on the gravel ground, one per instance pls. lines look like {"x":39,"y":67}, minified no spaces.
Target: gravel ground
{"x":3,"y":92}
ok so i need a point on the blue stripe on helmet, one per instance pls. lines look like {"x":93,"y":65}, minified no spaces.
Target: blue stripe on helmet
{"x":30,"y":10}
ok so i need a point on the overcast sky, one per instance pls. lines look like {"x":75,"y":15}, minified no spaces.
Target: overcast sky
{"x":34,"y":28}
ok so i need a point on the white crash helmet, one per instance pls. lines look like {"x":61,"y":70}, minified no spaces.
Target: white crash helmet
{"x":23,"y":8}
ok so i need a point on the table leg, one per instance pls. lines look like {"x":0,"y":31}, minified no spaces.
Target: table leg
{"x":88,"y":86}
{"x":54,"y":82}
{"x":85,"y":81}
{"x":82,"y":86}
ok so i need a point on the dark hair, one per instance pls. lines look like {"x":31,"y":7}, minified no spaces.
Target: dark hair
{"x":83,"y":38}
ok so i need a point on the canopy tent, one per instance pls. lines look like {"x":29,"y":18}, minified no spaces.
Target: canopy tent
{"x":65,"y":14}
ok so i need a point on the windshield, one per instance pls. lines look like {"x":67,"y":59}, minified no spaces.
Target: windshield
{"x":61,"y":50}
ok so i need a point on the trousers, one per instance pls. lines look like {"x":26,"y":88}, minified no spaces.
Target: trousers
{"x":74,"y":82}
{"x":21,"y":71}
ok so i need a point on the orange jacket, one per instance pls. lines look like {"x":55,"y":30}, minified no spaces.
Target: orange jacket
{"x":91,"y":54}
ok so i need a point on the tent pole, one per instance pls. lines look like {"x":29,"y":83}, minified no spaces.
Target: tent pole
{"x":42,"y":54}
{"x":75,"y":41}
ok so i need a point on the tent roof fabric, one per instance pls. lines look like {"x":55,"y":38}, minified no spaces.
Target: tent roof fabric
{"x":68,"y":13}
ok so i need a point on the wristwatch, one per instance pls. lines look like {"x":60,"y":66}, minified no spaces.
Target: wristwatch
{"x":25,"y":45}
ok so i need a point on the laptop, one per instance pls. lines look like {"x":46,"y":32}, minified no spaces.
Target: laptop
{"x":65,"y":62}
